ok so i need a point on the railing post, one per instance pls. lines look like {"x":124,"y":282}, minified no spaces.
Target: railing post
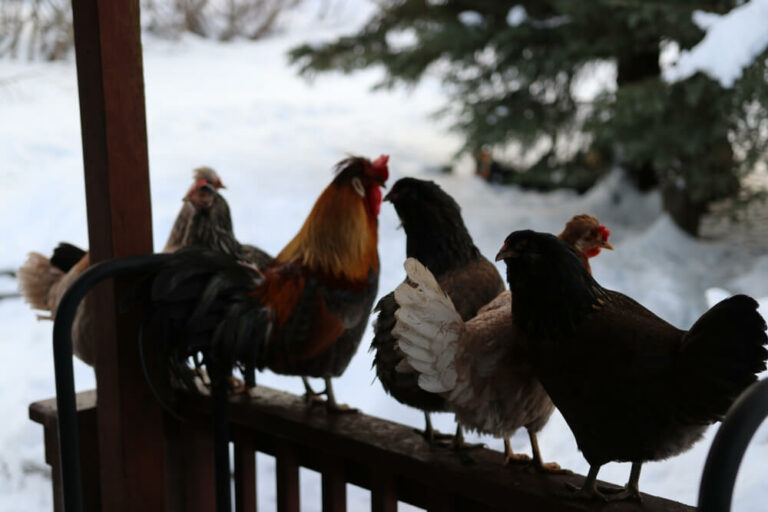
{"x":383,"y":492}
{"x":245,"y":473}
{"x":334,"y":485}
{"x":113,"y":124}
{"x":287,"y":477}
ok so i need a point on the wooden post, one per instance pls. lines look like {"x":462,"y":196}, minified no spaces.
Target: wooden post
{"x":111,"y":88}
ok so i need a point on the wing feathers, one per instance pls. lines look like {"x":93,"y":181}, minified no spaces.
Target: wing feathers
{"x":428,"y":328}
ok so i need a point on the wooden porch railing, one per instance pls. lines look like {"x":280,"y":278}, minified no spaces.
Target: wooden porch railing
{"x":388,"y":458}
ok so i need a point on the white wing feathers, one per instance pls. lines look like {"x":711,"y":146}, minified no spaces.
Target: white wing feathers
{"x":428,"y":328}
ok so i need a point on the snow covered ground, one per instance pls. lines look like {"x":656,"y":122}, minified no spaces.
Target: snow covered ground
{"x":274,"y":138}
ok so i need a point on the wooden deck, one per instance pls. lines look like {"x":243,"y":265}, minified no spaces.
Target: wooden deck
{"x":388,"y":458}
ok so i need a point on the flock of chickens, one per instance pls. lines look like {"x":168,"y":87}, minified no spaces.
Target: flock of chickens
{"x":450,"y":338}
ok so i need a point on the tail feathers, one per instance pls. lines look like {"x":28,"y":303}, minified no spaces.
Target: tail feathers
{"x":66,"y":256}
{"x":428,"y":328}
{"x":36,"y":278}
{"x":720,"y":357}
{"x":202,"y":308}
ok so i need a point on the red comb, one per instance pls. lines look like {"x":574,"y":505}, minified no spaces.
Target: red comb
{"x":604,"y":232}
{"x":379,"y":167}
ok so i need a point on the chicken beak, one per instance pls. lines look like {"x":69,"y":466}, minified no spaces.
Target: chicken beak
{"x":505,"y":252}
{"x":606,"y":245}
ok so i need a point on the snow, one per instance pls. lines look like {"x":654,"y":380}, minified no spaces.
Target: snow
{"x":732,"y":42}
{"x":471,"y":18}
{"x":274,"y":138}
{"x":516,"y":16}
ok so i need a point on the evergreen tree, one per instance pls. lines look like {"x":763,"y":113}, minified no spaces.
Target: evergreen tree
{"x":510,"y":69}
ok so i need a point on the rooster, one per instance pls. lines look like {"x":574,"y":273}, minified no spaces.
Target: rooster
{"x":303,"y":315}
{"x":437,"y":236}
{"x":478,"y":365}
{"x":631,"y":387}
{"x":203,"y":220}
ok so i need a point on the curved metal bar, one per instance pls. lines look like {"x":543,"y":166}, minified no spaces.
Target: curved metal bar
{"x":69,"y":439}
{"x":731,"y":441}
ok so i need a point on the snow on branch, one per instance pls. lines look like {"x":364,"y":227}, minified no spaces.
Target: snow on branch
{"x":732,"y":42}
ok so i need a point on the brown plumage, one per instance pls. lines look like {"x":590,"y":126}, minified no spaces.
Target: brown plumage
{"x":303,"y":315}
{"x":203,"y":220}
{"x":478,"y":365}
{"x":630,"y":386}
{"x":322,"y":285}
{"x":436,"y":235}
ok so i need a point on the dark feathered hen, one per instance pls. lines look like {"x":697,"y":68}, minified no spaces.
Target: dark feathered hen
{"x":479,"y":366}
{"x":436,"y":236}
{"x":631,"y":386}
{"x":203,"y":220}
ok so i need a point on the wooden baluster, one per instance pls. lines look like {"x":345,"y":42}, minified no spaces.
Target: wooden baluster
{"x":334,"y":485}
{"x":245,"y":474}
{"x":197,"y":462}
{"x":383,"y":492}
{"x":287,"y":478}
{"x":440,"y":500}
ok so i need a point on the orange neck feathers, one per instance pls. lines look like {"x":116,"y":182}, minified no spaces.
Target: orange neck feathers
{"x":339,"y":237}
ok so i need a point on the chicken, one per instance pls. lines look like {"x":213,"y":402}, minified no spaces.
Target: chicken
{"x":631,"y":387}
{"x":478,"y":365}
{"x":437,"y":236}
{"x":303,"y":315}
{"x":203,"y":220}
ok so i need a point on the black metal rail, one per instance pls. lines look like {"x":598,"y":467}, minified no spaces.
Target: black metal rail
{"x":729,"y":446}
{"x":69,"y":440}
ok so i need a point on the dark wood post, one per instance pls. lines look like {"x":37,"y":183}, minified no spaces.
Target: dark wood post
{"x":111,"y":88}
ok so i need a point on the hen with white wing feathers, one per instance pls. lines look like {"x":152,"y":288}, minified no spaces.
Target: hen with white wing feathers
{"x":479,"y":366}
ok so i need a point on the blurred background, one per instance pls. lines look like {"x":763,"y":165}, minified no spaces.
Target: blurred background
{"x":651,"y":115}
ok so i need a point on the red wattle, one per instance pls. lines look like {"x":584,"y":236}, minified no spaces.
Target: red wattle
{"x":373,"y":199}
{"x":592,"y":252}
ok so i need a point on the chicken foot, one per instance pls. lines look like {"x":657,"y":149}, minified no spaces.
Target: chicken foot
{"x":331,"y":405}
{"x":459,"y":444}
{"x":510,"y":457}
{"x":429,"y":433}
{"x":589,"y":490}
{"x":631,"y":491}
{"x":311,"y":397}
{"x":537,"y":463}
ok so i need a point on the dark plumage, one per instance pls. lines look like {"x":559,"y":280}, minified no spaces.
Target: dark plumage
{"x":631,"y":386}
{"x":65,"y":256}
{"x":480,"y":366}
{"x":203,"y":221}
{"x":436,"y":236}
{"x":304,"y":314}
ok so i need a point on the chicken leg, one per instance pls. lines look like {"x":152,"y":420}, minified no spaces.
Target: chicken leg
{"x":330,"y":403}
{"x":537,"y":463}
{"x":311,"y":396}
{"x":631,"y":491}
{"x":430,"y":434}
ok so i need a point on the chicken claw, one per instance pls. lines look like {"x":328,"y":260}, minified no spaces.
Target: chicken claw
{"x":589,"y":490}
{"x":312,"y":397}
{"x":510,"y":457}
{"x":431,"y":435}
{"x":331,"y":405}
